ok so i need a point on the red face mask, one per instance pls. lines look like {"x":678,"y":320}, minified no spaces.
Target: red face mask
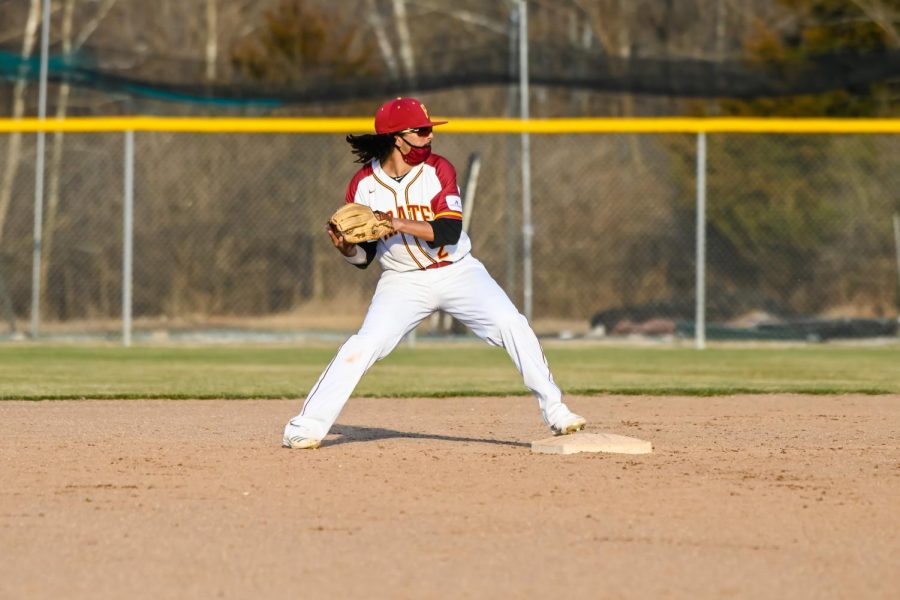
{"x":417,"y":154}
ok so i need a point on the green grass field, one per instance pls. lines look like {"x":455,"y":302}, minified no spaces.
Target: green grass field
{"x":40,"y":372}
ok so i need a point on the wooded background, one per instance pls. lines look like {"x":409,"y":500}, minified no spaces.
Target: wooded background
{"x":798,"y":225}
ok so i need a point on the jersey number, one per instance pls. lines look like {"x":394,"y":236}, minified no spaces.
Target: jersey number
{"x":442,"y":254}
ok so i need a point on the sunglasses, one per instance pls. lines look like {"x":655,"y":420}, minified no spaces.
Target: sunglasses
{"x":422,"y":131}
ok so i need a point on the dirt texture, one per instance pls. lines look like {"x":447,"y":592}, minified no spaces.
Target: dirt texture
{"x":743,"y":497}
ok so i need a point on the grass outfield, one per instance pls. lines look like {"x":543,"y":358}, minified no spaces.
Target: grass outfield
{"x":39,"y":372}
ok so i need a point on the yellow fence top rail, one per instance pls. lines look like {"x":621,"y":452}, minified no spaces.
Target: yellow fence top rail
{"x":456,"y":125}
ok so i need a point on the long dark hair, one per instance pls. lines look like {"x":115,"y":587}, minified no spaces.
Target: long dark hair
{"x":368,"y":146}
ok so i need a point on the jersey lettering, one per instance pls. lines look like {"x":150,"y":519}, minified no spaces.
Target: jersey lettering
{"x":417,"y":212}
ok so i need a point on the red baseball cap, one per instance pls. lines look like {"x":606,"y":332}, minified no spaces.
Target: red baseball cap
{"x":402,"y":113}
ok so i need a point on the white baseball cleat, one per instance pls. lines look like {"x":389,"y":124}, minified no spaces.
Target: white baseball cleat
{"x":570,"y":424}
{"x":298,"y":442}
{"x":299,"y":438}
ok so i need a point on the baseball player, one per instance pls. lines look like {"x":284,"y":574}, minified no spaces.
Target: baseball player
{"x":427,"y":266}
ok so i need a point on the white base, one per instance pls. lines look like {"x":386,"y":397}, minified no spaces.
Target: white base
{"x":591,"y":442}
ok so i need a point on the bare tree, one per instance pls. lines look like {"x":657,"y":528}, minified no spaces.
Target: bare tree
{"x":14,"y":150}
{"x":384,"y":44}
{"x":69,"y":45}
{"x":883,"y":16}
{"x":406,"y":52}
{"x":212,"y":37}
{"x":56,"y":151}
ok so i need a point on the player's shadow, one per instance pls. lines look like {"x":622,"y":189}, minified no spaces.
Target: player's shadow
{"x":348,"y":434}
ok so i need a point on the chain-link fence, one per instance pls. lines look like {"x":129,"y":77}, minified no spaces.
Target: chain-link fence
{"x":229,"y":231}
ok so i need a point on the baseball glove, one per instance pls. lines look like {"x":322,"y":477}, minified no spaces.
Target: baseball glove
{"x":358,"y":223}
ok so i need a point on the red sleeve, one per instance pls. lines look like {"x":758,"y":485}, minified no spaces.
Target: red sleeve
{"x":364,"y":172}
{"x":447,"y":204}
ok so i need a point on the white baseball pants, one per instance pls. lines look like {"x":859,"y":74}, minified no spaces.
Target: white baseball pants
{"x":402,"y":300}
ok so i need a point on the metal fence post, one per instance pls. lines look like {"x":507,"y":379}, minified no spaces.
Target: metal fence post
{"x":527,"y":229}
{"x":512,"y":268}
{"x":39,"y":176}
{"x":127,"y":238}
{"x":700,"y":309}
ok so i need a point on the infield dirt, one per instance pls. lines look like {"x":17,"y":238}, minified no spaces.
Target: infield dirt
{"x":743,"y":497}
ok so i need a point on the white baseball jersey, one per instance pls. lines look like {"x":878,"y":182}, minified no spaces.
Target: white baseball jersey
{"x":427,"y":192}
